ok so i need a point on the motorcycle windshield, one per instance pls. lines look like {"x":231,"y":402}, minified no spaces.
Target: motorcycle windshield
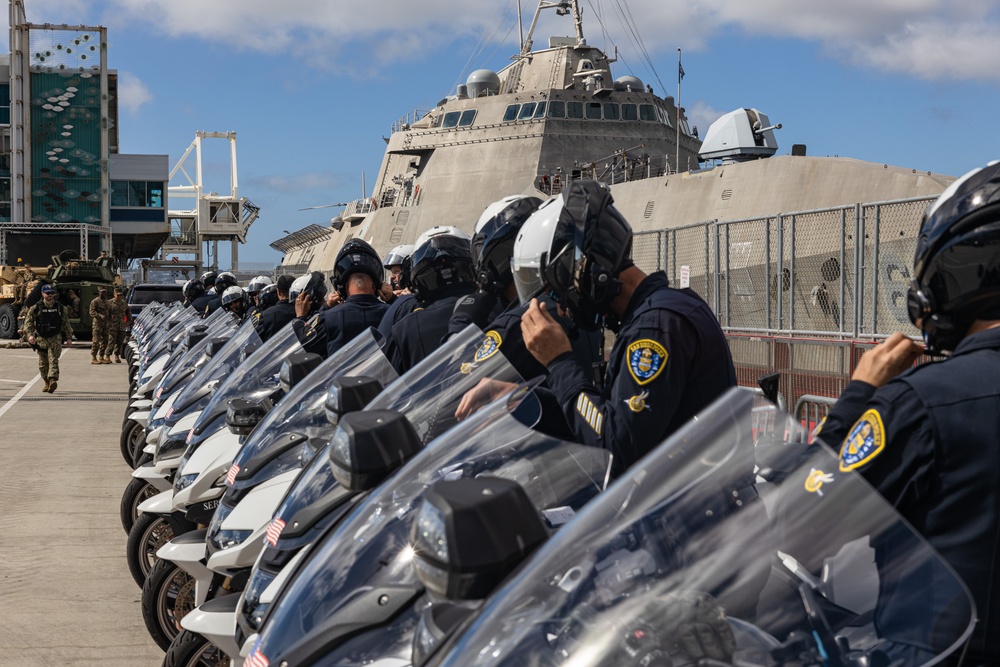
{"x":371,"y":548}
{"x":427,"y":395}
{"x":193,"y":359}
{"x":669,"y":552}
{"x":168,"y":333}
{"x":254,"y":379}
{"x":220,"y":365}
{"x":302,"y":409}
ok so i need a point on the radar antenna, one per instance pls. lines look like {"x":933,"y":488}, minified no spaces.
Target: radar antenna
{"x":563,"y":8}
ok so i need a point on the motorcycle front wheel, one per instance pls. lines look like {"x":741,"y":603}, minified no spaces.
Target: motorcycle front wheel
{"x":148,"y":534}
{"x":136,"y":491}
{"x":167,"y":597}
{"x":189,"y":649}
{"x":133,"y":439}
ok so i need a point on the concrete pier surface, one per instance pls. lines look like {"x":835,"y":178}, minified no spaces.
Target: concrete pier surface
{"x":66,"y":597}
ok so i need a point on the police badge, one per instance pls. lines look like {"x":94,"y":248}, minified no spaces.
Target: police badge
{"x":646,"y":359}
{"x":490,"y":346}
{"x":865,"y":442}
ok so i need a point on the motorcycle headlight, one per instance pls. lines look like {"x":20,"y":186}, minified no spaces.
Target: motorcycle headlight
{"x":182,"y":482}
{"x":225,"y":539}
{"x":169,"y":447}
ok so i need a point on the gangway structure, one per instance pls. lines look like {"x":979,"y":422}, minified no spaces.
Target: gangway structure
{"x":212,"y":217}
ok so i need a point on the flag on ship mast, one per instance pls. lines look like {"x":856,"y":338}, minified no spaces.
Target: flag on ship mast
{"x":680,"y":68}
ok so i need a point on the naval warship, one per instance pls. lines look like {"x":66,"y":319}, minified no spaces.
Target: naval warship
{"x":557,"y":114}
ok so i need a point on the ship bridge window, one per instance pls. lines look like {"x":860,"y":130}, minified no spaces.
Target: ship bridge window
{"x":451,"y":119}
{"x":468,"y":116}
{"x":647,"y":112}
{"x":629,"y":112}
{"x":540,"y":111}
{"x":557,"y":109}
{"x":611,"y":111}
{"x":511,"y":113}
{"x":574,"y":109}
{"x":593,"y":111}
{"x":527,"y":111}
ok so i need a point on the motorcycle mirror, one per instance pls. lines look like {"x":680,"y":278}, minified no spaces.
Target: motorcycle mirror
{"x":470,"y":534}
{"x":216,"y":345}
{"x":296,"y":367}
{"x":350,"y":394}
{"x":248,"y":350}
{"x":769,"y":385}
{"x":369,"y":446}
{"x":242,"y":416}
{"x":194,"y":338}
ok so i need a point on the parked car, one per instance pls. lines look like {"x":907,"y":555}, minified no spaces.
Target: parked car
{"x":142,"y":294}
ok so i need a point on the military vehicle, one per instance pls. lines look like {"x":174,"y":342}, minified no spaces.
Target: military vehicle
{"x":76,"y":280}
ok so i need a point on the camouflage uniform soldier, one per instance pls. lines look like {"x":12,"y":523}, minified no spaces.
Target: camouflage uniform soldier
{"x":47,"y":326}
{"x":119,"y":318}
{"x":99,"y":329}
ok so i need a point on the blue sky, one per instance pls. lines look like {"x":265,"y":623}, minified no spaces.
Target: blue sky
{"x":311,"y":86}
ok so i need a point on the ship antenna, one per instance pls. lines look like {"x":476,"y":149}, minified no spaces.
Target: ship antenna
{"x":562,"y":7}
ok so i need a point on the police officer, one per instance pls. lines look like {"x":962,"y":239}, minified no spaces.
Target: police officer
{"x":223,"y":281}
{"x":394,"y":264}
{"x":357,"y":277}
{"x":670,"y":358}
{"x":234,"y":300}
{"x":404,"y":302}
{"x":208,"y":280}
{"x":47,"y":326}
{"x":441,"y":273}
{"x":195,"y":295}
{"x":253,"y":289}
{"x":99,"y":328}
{"x":278,"y":315}
{"x":927,"y":437}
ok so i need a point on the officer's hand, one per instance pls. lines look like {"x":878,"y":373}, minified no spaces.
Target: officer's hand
{"x":543,"y":336}
{"x":31,"y":340}
{"x":303,"y":304}
{"x":333,"y":299}
{"x":385,"y":292}
{"x":881,"y":364}
{"x":69,"y":343}
{"x":480,"y":395}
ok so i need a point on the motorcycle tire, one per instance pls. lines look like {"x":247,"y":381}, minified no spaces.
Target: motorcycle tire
{"x":148,"y":534}
{"x":189,"y":649}
{"x":142,"y":458}
{"x":136,"y":491}
{"x":167,"y":596}
{"x":133,"y":439}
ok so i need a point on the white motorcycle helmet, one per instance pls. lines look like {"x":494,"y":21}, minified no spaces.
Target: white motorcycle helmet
{"x":531,"y":248}
{"x":397,"y":255}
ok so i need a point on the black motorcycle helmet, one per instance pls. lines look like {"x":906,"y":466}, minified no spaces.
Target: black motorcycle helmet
{"x":357,"y":256}
{"x":267,"y":297}
{"x":956,"y":268}
{"x":493,"y":240}
{"x":193,"y":289}
{"x":574,"y":246}
{"x":224,"y":281}
{"x":442,"y":260}
{"x":313,"y":284}
{"x":208,"y":279}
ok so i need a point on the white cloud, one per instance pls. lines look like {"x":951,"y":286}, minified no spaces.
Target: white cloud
{"x":931,"y":39}
{"x":701,"y":115}
{"x":132,"y":92}
{"x":313,"y":181}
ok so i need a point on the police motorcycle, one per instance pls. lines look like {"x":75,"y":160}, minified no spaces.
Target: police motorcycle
{"x":167,"y":435}
{"x":356,"y":591}
{"x":425,"y":399}
{"x":675,"y":564}
{"x":274,"y":449}
{"x":133,"y":440}
{"x":179,"y":365}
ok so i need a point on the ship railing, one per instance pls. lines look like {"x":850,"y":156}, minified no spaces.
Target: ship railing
{"x":359,"y":208}
{"x":407,"y":120}
{"x":621,"y":169}
{"x":398,"y":197}
{"x":794,"y":292}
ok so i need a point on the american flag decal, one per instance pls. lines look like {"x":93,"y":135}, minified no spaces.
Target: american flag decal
{"x":256,"y":658}
{"x":274,"y":531}
{"x":233,"y":472}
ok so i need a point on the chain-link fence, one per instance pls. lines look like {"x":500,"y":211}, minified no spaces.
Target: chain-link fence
{"x":795,"y":292}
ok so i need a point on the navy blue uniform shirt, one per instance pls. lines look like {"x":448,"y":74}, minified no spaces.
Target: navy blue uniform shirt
{"x":670,"y":360}
{"x":274,"y":319}
{"x":419,"y":333}
{"x":401,"y":306}
{"x":929,"y":441}
{"x":330,"y":329}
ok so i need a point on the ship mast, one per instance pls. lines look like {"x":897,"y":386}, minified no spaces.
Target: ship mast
{"x":562,"y":8}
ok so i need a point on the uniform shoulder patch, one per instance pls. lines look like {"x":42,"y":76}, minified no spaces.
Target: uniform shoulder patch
{"x":646,"y":359}
{"x":865,"y":441}
{"x":491,"y":345}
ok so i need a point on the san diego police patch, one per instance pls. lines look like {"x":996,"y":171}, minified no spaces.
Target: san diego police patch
{"x":490,"y":346}
{"x":646,"y":358}
{"x":865,"y":442}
